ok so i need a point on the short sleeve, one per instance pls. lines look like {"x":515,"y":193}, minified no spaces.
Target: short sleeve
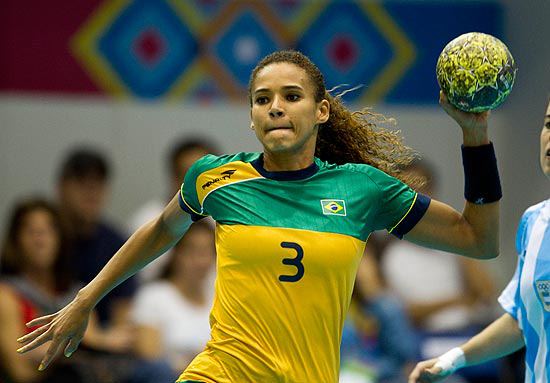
{"x":188,"y":196}
{"x":509,"y":298}
{"x":522,"y":233}
{"x":400,"y":207}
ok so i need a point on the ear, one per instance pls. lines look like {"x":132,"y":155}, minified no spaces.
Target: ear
{"x":252,"y":125}
{"x":323,"y":111}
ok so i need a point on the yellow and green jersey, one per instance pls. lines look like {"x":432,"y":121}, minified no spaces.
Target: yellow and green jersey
{"x":288,"y":246}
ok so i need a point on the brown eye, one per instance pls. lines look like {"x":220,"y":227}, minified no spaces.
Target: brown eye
{"x":292,"y":97}
{"x":262,"y":100}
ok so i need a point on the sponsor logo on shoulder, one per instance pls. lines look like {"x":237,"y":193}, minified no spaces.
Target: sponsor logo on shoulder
{"x":225,"y":175}
{"x":543,"y":289}
{"x":333,"y":207}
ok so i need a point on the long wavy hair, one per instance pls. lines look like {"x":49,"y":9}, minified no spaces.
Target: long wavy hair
{"x":349,"y":136}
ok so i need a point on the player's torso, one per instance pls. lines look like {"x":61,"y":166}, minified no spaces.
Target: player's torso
{"x":288,"y":252}
{"x":288,"y":247}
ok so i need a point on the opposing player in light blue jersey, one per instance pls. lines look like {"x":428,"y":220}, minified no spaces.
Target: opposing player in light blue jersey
{"x":526,"y":301}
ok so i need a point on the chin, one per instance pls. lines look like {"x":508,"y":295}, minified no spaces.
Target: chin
{"x":278,"y":146}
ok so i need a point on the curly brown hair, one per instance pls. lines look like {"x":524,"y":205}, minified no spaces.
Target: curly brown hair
{"x":349,"y":137}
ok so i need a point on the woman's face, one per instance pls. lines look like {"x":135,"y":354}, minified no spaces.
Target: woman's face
{"x":38,"y":240}
{"x":195,"y":256}
{"x":284,"y":112}
{"x":545,"y":144}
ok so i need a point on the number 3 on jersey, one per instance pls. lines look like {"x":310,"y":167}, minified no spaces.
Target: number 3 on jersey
{"x":296,"y":262}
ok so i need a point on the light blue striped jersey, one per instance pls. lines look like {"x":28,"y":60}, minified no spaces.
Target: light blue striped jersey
{"x":527,"y":296}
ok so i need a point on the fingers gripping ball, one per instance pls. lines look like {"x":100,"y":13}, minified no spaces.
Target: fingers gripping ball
{"x":476,"y":71}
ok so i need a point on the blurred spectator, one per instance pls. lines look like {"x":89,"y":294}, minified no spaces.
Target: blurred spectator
{"x":446,"y":296}
{"x":83,"y":188}
{"x":179,"y":159}
{"x":36,"y":280}
{"x":442,"y":291}
{"x":182,"y":295}
{"x":378,"y":343}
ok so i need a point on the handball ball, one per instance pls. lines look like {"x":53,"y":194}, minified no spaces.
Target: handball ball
{"x":476,"y":71}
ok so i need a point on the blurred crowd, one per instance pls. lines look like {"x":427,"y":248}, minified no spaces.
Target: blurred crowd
{"x":409,"y":303}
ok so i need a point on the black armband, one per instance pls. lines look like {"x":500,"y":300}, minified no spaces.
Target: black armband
{"x":481,"y":180}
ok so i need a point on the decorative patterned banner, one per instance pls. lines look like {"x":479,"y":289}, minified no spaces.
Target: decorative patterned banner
{"x":206,"y":49}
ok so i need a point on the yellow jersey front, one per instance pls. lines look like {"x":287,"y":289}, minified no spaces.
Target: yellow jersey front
{"x":288,"y":247}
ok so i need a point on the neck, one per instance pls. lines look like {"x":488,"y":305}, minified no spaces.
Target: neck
{"x":277,"y":162}
{"x":78,"y":226}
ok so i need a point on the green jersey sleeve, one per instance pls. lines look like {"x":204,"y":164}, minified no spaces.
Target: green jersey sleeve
{"x":399,"y":206}
{"x":188,"y":196}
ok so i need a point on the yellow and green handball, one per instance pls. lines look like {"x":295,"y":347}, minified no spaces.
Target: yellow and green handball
{"x":476,"y":71}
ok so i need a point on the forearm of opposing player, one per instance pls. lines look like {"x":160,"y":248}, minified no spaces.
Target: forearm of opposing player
{"x":145,"y":245}
{"x":500,"y":338}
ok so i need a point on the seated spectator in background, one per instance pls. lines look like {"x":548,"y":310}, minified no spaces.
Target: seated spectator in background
{"x":83,"y":188}
{"x":378,"y":343}
{"x":36,"y":280}
{"x":447,"y":297}
{"x":172,"y":313}
{"x":442,"y":292}
{"x":179,"y":159}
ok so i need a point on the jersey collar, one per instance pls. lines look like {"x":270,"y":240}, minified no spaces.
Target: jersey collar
{"x":288,"y":175}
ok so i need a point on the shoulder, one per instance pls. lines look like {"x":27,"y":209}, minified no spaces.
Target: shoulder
{"x":211,"y":161}
{"x":369,"y":178}
{"x":358,"y":170}
{"x":13,"y":312}
{"x":526,"y":223}
{"x":531,"y":214}
{"x":534,"y":210}
{"x":10,"y":302}
{"x":348,"y":167}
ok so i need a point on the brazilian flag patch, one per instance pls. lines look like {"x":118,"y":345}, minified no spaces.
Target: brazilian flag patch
{"x":333,"y":207}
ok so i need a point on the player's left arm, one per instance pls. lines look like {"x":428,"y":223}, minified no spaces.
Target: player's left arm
{"x":474,"y":232}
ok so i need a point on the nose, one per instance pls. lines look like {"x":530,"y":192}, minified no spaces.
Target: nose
{"x":276,"y":111}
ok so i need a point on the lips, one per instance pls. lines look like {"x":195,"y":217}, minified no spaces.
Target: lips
{"x":278,"y":128}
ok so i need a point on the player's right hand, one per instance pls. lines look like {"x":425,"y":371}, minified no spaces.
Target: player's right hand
{"x":64,"y":329}
{"x":467,"y":120}
{"x":426,"y":372}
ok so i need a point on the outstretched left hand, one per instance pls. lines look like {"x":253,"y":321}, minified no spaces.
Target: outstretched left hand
{"x":65,"y":329}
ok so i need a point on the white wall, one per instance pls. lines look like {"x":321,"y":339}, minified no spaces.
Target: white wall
{"x":36,"y":132}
